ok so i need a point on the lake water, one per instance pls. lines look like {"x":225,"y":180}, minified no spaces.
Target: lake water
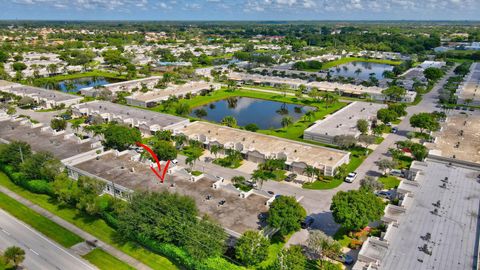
{"x":264,"y":113}
{"x":365,"y":68}
{"x":76,"y":84}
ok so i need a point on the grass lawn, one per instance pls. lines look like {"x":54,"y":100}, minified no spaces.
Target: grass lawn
{"x":379,"y":139}
{"x":346,"y":60}
{"x":342,"y":237}
{"x":389,"y":182}
{"x":40,"y":223}
{"x":295,"y":131}
{"x":92,"y":225}
{"x":105,"y":261}
{"x":276,"y":245}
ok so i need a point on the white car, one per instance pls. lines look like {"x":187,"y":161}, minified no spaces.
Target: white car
{"x":351,"y":177}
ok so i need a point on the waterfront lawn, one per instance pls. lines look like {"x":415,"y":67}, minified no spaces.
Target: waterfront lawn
{"x":346,"y":60}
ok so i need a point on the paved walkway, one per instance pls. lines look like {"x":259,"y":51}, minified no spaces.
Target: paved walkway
{"x":108,"y":248}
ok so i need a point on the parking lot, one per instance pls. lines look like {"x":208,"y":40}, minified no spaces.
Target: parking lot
{"x":235,"y":214}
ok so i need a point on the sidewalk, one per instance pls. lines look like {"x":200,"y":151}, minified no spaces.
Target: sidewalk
{"x":106,"y":247}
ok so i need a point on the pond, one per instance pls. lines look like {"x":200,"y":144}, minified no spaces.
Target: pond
{"x":361,"y":70}
{"x":75,"y":85}
{"x":265,"y":114}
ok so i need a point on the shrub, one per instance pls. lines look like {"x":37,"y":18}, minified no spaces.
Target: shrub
{"x":39,"y":186}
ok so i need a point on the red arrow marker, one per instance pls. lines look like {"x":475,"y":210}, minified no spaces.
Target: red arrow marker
{"x":161,"y":177}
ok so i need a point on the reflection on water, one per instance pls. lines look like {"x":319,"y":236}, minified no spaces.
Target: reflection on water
{"x":361,"y":70}
{"x":264,"y":113}
{"x":75,"y":85}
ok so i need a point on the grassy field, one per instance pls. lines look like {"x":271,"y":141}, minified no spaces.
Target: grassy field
{"x":94,"y":73}
{"x":40,"y":223}
{"x":105,"y":261}
{"x":389,"y":182}
{"x":92,"y":225}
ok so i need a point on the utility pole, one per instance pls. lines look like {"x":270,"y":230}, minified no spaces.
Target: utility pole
{"x":21,"y":153}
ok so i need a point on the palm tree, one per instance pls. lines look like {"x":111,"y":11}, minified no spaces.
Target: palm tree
{"x":314,"y":93}
{"x":232,"y":85}
{"x":52,"y":68}
{"x":215,"y":149}
{"x":75,"y":126}
{"x":329,"y":98}
{"x":309,"y":115}
{"x":180,"y":140}
{"x":283,"y":88}
{"x":310,"y":172}
{"x":14,"y":255}
{"x":229,"y":121}
{"x":287,"y":121}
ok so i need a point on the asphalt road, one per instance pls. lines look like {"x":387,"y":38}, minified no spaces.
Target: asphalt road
{"x":40,"y":252}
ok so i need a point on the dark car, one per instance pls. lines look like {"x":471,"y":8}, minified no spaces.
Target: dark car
{"x":270,"y":192}
{"x":345,"y":258}
{"x":307,"y":222}
{"x":291,"y":177}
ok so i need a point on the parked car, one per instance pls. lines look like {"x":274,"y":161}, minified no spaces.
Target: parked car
{"x":291,"y":177}
{"x":396,"y":172}
{"x":346,"y":259}
{"x":394,"y":130}
{"x":270,"y":192}
{"x":307,"y":222}
{"x":351,"y":177}
{"x":387,"y":194}
{"x":175,"y":161}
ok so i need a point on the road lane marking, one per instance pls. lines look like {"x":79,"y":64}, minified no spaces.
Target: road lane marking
{"x":34,"y":252}
{"x":46,"y":239}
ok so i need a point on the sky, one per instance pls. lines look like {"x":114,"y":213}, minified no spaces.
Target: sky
{"x":240,"y":9}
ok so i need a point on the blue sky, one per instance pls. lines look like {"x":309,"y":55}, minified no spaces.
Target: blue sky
{"x":241,"y":9}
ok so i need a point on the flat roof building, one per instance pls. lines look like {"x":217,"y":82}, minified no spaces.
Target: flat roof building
{"x":436,"y":225}
{"x":459,"y":138}
{"x":45,"y":98}
{"x":342,"y":122}
{"x":151,"y":98}
{"x":257,"y":147}
{"x":147,"y":122}
{"x":372,"y":92}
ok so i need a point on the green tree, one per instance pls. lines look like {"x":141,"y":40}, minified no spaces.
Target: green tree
{"x":345,"y":141}
{"x":355,"y":209}
{"x":164,"y":150}
{"x":14,"y":255}
{"x":370,"y":183}
{"x":433,"y":74}
{"x":121,"y":137}
{"x":386,"y":164}
{"x":395,"y":93}
{"x":229,"y":121}
{"x":41,"y":165}
{"x":290,"y":259}
{"x":251,"y":248}
{"x":386,"y":115}
{"x":362,"y":126}
{"x":14,"y":153}
{"x":286,"y":214}
{"x":182,"y":108}
{"x":398,"y":108}
{"x":367,"y":139}
{"x":287,"y":121}
{"x":252,"y":127}
{"x":58,"y":124}
{"x":319,"y":244}
{"x":164,"y":135}
{"x":4,"y":56}
{"x":329,"y":98}
{"x":19,"y":66}
{"x":425,"y":121}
